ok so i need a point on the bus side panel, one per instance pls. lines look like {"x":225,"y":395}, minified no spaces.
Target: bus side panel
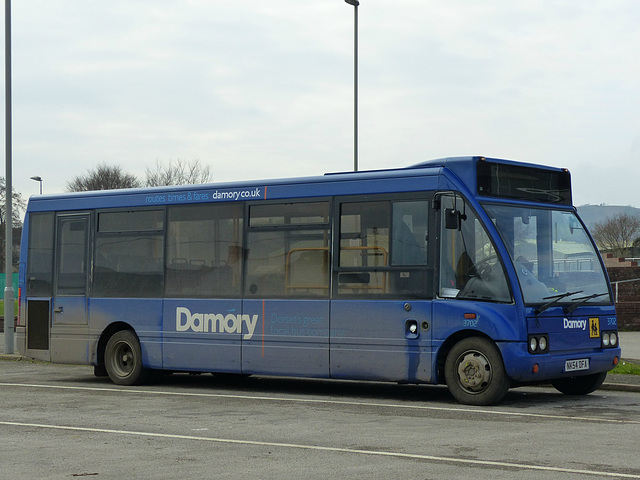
{"x":289,"y":337}
{"x":497,"y":321}
{"x":144,"y":315}
{"x":69,"y":330}
{"x":202,"y":335}
{"x":375,"y":340}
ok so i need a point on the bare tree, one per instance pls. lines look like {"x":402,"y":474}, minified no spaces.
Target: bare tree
{"x":17,"y":203}
{"x":178,"y":172}
{"x":617,"y":233}
{"x":17,"y":209}
{"x":103,"y":177}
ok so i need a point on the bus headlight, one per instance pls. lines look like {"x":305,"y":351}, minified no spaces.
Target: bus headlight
{"x":609,"y":339}
{"x":538,"y":343}
{"x":542,"y":342}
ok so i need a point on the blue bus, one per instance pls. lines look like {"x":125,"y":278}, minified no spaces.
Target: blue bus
{"x":472,"y":272}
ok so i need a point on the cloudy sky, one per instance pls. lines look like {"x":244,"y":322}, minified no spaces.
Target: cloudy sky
{"x":264,"y":88}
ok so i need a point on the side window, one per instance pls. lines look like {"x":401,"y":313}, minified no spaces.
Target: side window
{"x":364,"y":247}
{"x":129,"y":254}
{"x":204,"y":251}
{"x":40,"y":255}
{"x":410,"y":233}
{"x":384,"y":249}
{"x":288,"y":250}
{"x":71,"y":262}
{"x":470,"y":267}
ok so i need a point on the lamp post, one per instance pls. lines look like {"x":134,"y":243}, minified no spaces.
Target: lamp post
{"x":38,"y":179}
{"x":355,"y":4}
{"x":8,"y":265}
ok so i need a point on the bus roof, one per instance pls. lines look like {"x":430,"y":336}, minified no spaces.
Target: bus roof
{"x":422,"y":176}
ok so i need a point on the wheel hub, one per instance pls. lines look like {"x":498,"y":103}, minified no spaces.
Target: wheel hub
{"x":474,"y":371}
{"x":124,"y":359}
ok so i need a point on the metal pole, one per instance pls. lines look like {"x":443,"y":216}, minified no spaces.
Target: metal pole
{"x":355,"y":4}
{"x":38,"y":179}
{"x":8,"y":269}
{"x":355,"y":88}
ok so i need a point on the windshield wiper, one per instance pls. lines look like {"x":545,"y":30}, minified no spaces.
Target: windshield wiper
{"x":554,"y":299}
{"x":581,"y":300}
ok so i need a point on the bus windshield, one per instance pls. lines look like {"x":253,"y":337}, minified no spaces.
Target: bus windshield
{"x":554,"y":258}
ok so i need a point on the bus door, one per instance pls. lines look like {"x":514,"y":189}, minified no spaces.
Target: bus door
{"x":286,"y":298}
{"x":69,"y":328}
{"x":381,"y":311}
{"x":39,"y":283}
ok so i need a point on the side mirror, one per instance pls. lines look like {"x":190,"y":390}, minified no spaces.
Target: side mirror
{"x":451,"y":219}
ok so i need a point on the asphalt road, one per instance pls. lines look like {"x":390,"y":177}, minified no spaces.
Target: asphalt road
{"x":61,"y":422}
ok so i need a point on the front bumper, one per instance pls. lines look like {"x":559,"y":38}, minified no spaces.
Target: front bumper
{"x":521,"y":365}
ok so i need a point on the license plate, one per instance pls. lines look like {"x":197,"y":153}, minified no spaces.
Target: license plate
{"x":575,"y":365}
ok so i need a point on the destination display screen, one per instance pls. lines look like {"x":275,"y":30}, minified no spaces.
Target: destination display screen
{"x":524,"y":183}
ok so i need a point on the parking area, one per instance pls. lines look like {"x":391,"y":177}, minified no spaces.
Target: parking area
{"x":59,"y":421}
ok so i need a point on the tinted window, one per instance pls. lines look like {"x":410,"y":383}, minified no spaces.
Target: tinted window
{"x":40,"y":256}
{"x":130,"y":221}
{"x":524,"y":183}
{"x":289,"y":214}
{"x":288,"y":250}
{"x":71,"y":263}
{"x":383,"y":249}
{"x":129,"y":264}
{"x":410,"y":233}
{"x":204,"y":251}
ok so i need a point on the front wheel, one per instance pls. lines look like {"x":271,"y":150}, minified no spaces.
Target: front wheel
{"x":123,"y":359}
{"x":475,"y":373}
{"x":580,"y":385}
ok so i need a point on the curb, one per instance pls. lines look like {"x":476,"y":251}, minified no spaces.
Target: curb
{"x":13,"y":357}
{"x":620,"y":387}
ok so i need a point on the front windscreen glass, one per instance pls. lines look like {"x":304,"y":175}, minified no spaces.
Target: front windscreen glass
{"x":554,"y":258}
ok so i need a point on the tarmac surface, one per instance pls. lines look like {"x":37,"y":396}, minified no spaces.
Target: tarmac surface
{"x":629,"y":341}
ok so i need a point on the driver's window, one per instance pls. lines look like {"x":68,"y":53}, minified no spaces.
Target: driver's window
{"x":469,"y":264}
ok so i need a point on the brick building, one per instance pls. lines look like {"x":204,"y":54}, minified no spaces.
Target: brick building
{"x":625,"y":279}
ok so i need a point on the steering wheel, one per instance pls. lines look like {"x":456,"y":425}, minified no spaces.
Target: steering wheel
{"x":482,"y":268}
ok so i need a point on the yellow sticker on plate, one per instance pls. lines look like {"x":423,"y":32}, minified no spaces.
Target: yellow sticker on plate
{"x":594,"y":327}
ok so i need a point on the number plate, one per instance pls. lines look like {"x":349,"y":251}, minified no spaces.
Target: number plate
{"x":575,"y":365}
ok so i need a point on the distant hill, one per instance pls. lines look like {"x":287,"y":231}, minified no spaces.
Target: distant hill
{"x":592,"y":214}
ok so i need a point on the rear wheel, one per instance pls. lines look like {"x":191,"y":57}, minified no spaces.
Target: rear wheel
{"x":580,"y":385}
{"x":123,"y":359}
{"x":475,"y":373}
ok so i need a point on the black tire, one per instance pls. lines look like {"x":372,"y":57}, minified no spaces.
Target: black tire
{"x":123,"y":359}
{"x":580,"y":385}
{"x":475,"y":373}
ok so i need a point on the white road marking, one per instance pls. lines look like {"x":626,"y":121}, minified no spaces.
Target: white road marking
{"x":330,"y":402}
{"x":432,"y":458}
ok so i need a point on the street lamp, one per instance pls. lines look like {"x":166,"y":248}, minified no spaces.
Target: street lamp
{"x":8,"y":209}
{"x":38,"y":179}
{"x":355,"y":4}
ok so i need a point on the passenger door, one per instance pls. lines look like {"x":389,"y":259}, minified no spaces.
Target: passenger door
{"x":39,"y":284}
{"x":69,"y":329}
